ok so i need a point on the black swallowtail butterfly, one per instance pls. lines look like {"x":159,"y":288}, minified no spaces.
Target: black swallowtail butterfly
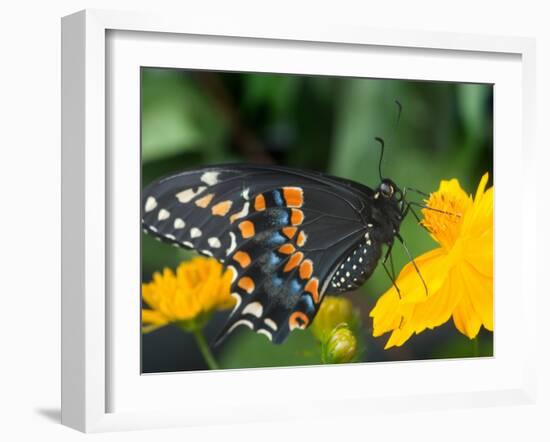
{"x":288,"y":236}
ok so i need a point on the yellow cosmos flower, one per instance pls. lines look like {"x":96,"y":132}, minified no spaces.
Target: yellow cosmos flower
{"x":198,"y":288}
{"x":458,"y":274}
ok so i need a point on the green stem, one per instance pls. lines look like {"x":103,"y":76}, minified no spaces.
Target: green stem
{"x":205,"y":350}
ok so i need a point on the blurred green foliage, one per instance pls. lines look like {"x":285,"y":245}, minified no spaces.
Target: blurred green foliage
{"x":192,"y":118}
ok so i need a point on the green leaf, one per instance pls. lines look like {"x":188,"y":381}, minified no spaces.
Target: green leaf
{"x":178,"y":117}
{"x":247,"y":349}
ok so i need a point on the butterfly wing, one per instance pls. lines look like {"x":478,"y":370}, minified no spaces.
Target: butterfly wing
{"x":281,"y":232}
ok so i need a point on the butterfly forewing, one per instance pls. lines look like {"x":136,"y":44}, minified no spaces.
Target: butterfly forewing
{"x":282,"y":233}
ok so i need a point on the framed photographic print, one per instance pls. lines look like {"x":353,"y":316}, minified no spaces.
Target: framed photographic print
{"x":306,"y":215}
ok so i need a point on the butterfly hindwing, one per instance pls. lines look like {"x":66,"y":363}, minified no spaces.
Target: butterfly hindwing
{"x":282,"y":233}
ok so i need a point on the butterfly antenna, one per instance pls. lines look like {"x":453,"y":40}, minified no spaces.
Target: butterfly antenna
{"x":427,"y":195}
{"x":381,"y":141}
{"x":423,"y":206}
{"x":399,"y":110}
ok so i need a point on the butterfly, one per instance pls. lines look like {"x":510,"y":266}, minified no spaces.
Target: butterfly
{"x":287,"y":236}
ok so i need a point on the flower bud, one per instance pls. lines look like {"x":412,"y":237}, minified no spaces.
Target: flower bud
{"x":341,"y":346}
{"x":334,"y":310}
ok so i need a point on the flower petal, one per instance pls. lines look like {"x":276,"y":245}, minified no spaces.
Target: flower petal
{"x":481,"y":187}
{"x":433,"y":267}
{"x":465,"y":319}
{"x":391,"y":312}
{"x":384,"y":313}
{"x":479,"y":254}
{"x":399,"y":336}
{"x":479,"y":289}
{"x":437,"y":308}
{"x":153,"y":317}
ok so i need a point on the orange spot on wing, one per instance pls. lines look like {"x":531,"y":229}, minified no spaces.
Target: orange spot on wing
{"x":301,"y":240}
{"x":290,"y":231}
{"x":259,"y":203}
{"x":298,"y":320}
{"x":222,"y":208}
{"x":247,"y":229}
{"x":205,"y":200}
{"x":294,"y":197}
{"x":247,"y":284}
{"x":306,"y":269}
{"x":312,"y":287}
{"x":287,"y":249}
{"x":296,"y":217}
{"x":242,"y":258}
{"x":294,"y":260}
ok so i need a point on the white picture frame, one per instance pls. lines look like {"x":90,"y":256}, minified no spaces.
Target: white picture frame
{"x":91,"y":370}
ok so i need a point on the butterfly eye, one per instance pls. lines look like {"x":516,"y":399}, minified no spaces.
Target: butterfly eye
{"x":386,"y":189}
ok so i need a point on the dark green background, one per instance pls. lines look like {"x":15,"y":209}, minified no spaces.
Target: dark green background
{"x":193,"y":118}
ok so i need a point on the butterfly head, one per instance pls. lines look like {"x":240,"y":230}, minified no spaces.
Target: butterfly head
{"x":388,"y":208}
{"x":389,"y":190}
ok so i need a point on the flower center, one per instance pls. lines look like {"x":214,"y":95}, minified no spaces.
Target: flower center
{"x":446,"y":214}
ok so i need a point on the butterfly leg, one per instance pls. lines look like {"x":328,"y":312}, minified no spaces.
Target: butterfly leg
{"x":392,"y":274}
{"x":400,"y":238}
{"x":392,"y":279}
{"x":408,"y":208}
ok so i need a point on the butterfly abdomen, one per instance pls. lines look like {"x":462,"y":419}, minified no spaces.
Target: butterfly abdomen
{"x":358,"y":266}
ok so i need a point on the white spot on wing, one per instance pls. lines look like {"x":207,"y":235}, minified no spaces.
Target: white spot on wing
{"x":195,"y":232}
{"x":245,"y":193}
{"x":242,"y":213}
{"x":214,"y":242}
{"x":233,"y":273}
{"x":254,"y":309}
{"x":188,"y":244}
{"x":150,"y":204}
{"x":153,"y":228}
{"x":210,"y":178}
{"x":179,"y":223}
{"x":188,"y":194}
{"x":270,"y":323}
{"x":172,"y":237}
{"x":241,"y":322}
{"x":232,"y":245}
{"x":163,"y":214}
{"x":206,"y":252}
{"x":237,"y":301}
{"x":264,"y":332}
